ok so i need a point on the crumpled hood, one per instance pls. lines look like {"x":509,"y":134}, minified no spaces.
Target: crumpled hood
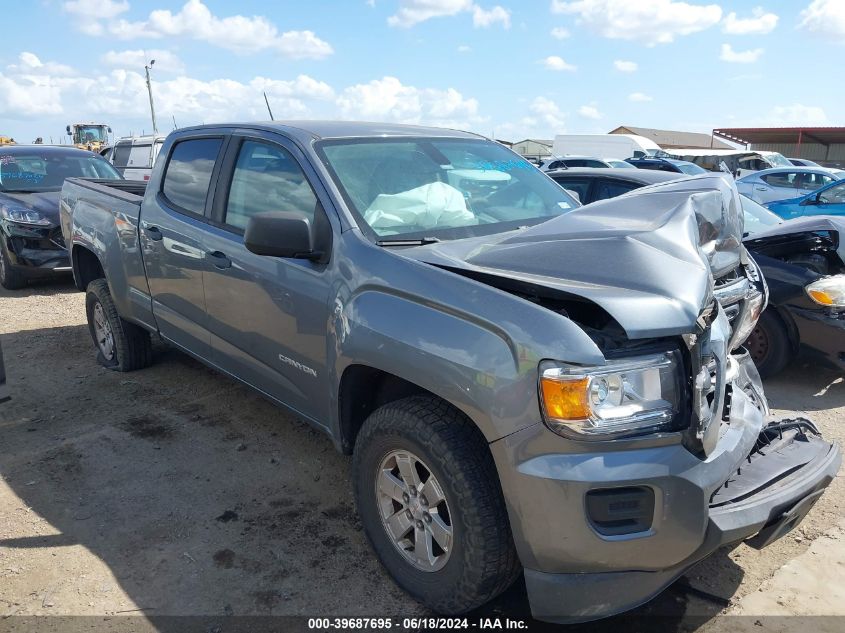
{"x":45,"y":202}
{"x":645,"y":257}
{"x":808,"y":224}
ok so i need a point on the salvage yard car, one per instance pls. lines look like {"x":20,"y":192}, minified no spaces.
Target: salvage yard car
{"x":31,"y":177}
{"x":829,"y":200}
{"x":781,"y":183}
{"x":523,"y":385}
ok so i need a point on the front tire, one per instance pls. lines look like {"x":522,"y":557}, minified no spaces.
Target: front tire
{"x":121,"y":345}
{"x":769,"y":344}
{"x":430,"y":502}
{"x":10,"y":278}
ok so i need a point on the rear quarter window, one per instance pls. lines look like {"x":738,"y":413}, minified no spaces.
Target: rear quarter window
{"x":121,"y":154}
{"x":188,"y":173}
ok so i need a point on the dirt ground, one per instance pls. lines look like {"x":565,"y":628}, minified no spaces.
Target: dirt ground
{"x":175,"y":491}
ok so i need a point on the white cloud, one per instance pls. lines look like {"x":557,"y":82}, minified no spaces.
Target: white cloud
{"x":88,"y":13}
{"x":728,"y":54}
{"x":236,"y":33}
{"x":121,"y":95}
{"x":648,"y":21}
{"x":625,"y":66}
{"x":560,"y":33}
{"x":30,"y":64}
{"x":825,"y":17}
{"x":590,"y":112}
{"x":553,"y":62}
{"x":389,"y":99}
{"x":136,"y":59}
{"x":484,"y":18}
{"x":639,"y":97}
{"x":463,"y":48}
{"x":796,"y":114}
{"x":548,"y":114}
{"x":413,"y":12}
{"x":759,"y":23}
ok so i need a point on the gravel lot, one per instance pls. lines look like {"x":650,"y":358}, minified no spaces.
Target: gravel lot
{"x":175,"y":491}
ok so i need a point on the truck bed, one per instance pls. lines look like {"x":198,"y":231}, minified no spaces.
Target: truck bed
{"x":135,"y":188}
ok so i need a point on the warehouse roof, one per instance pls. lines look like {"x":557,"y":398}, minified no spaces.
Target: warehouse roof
{"x":672,"y":138}
{"x":761,"y":135}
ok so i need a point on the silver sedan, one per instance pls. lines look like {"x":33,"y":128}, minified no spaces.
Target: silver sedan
{"x":782,"y":183}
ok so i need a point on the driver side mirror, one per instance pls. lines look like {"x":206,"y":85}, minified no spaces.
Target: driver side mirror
{"x":68,"y":130}
{"x":289,"y":234}
{"x":813,"y":200}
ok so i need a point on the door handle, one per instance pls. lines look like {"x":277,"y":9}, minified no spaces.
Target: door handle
{"x":760,"y":188}
{"x":220,"y":260}
{"x":153,"y":232}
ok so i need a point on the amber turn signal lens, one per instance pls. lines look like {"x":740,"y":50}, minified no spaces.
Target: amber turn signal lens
{"x":565,"y":399}
{"x":820,"y":296}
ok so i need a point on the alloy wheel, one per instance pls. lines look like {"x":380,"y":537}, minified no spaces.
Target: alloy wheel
{"x":414,"y":511}
{"x":103,"y":332}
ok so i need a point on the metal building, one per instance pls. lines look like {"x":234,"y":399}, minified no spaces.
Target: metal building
{"x":824,"y":145}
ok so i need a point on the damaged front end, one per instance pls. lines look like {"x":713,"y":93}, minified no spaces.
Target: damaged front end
{"x":649,"y":462}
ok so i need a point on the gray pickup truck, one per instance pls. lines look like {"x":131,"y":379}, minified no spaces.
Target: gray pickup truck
{"x":525,"y":386}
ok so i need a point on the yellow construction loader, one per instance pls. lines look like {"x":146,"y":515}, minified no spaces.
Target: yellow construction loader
{"x":90,"y":136}
{"x":6,"y":140}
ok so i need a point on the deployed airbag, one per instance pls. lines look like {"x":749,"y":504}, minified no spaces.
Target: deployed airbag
{"x":434,"y":205}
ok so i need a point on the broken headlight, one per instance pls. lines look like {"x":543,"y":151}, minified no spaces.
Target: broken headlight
{"x":636,"y":394}
{"x":828,"y":291}
{"x":20,"y":215}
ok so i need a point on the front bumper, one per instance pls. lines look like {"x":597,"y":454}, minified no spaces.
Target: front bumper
{"x":574,"y":573}
{"x":35,"y":251}
{"x":821,"y":333}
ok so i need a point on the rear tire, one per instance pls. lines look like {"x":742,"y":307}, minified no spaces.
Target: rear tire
{"x":121,"y":346}
{"x":480,"y":561}
{"x":769,"y":344}
{"x":10,"y":278}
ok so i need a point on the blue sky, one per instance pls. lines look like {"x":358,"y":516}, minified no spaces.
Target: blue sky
{"x":513,"y":68}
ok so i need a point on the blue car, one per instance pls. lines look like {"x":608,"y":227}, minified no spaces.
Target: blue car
{"x":829,"y":200}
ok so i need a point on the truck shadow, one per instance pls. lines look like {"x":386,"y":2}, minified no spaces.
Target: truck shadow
{"x":806,"y":386}
{"x":201,"y":498}
{"x":58,"y":286}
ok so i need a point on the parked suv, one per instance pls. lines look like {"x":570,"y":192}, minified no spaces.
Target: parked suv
{"x":523,"y":385}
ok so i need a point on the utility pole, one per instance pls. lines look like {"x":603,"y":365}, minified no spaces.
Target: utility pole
{"x":150,"y":90}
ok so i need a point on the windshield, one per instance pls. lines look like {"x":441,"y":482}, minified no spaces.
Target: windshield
{"x":90,"y":134}
{"x":440,"y":188}
{"x":776,"y":159}
{"x":690,"y":168}
{"x":46,"y":172}
{"x":757,"y":217}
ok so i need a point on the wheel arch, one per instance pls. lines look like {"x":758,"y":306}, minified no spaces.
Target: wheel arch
{"x":362,"y":390}
{"x":86,"y":266}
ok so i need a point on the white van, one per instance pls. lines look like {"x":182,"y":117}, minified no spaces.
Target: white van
{"x":134,"y":156}
{"x":619,"y":146}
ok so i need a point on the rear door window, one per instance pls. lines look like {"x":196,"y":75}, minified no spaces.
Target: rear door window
{"x":139,"y":156}
{"x":188,"y":173}
{"x":611,"y":188}
{"x":782,"y":179}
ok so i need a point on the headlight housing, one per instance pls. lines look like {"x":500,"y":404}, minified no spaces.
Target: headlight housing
{"x":22,"y":215}
{"x":637,"y":394}
{"x":828,"y":291}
